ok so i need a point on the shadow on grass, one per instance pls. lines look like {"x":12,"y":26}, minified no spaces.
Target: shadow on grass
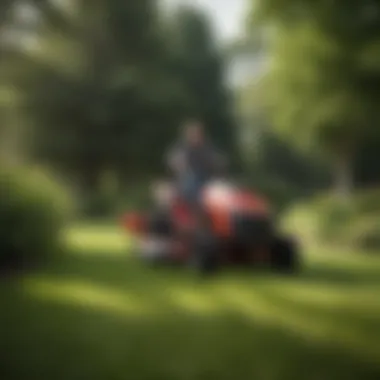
{"x":109,"y":317}
{"x":119,"y":269}
{"x":51,"y":339}
{"x":340,"y":276}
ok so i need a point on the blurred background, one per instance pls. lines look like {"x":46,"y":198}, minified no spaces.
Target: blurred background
{"x":92,"y":94}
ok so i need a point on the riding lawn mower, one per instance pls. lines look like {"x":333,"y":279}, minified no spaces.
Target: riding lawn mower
{"x":231,"y":226}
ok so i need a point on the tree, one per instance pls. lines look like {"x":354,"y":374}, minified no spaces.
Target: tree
{"x":269,"y":157}
{"x":324,"y":81}
{"x":5,"y":8}
{"x":97,"y":89}
{"x":20,"y":21}
{"x":200,"y":67}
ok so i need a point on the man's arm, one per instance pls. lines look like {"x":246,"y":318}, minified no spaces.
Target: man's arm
{"x":175,"y":160}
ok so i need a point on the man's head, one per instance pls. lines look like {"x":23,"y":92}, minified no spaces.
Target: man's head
{"x":193,"y":133}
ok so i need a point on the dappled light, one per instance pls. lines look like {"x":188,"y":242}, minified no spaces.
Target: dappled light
{"x":195,"y":302}
{"x":363,"y":299}
{"x":260,"y":307}
{"x":340,"y":259}
{"x":87,"y":295}
{"x":98,"y":240}
{"x":255,"y":300}
{"x":111,"y":308}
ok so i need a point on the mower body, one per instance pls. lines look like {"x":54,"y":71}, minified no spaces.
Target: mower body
{"x":231,"y":226}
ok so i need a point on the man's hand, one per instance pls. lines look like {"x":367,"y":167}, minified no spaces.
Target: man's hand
{"x":177,"y":162}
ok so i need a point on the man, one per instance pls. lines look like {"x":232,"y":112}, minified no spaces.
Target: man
{"x":194,"y":161}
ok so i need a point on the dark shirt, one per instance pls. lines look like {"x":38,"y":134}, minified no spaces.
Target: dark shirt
{"x":201,"y":161}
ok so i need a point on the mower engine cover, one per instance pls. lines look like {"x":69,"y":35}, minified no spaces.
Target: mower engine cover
{"x":233,"y":211}
{"x":225,"y":196}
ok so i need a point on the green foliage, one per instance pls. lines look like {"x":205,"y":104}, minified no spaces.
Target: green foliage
{"x":311,"y":98}
{"x":334,"y":217}
{"x":365,"y":233}
{"x":323,"y":83}
{"x":272,"y":164}
{"x":352,"y":223}
{"x":368,"y":201}
{"x":33,"y":209}
{"x":107,"y":87}
{"x":5,"y":10}
{"x":111,"y":102}
{"x":104,"y":205}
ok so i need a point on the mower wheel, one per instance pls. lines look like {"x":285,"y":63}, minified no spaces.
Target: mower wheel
{"x":204,"y":259}
{"x":284,"y":256}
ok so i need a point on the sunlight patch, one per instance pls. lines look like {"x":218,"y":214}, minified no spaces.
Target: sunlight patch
{"x":359,"y":262}
{"x":193,"y":301}
{"x":98,"y":240}
{"x":257,"y":308}
{"x":364,"y":298}
{"x":88,"y":295}
{"x":253,"y":306}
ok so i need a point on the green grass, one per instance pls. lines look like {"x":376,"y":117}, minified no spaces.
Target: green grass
{"x":99,"y":314}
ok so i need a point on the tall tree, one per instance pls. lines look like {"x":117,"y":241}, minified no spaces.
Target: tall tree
{"x":271,"y":158}
{"x":98,"y":91}
{"x":324,"y":80}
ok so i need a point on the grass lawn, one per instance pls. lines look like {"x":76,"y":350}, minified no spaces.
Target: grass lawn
{"x":99,"y":314}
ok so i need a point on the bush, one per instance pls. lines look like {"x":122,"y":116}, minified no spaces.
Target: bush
{"x":333,"y":217}
{"x":365,"y":234}
{"x":354,"y":223}
{"x":368,"y":202}
{"x":33,"y":209}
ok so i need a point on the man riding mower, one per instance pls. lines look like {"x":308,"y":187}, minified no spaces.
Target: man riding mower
{"x":204,"y":222}
{"x":234,"y":228}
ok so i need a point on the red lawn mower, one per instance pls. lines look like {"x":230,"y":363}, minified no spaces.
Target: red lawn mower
{"x":231,"y":226}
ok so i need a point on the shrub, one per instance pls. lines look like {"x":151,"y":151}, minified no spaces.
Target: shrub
{"x":33,"y":209}
{"x":354,"y":223}
{"x":368,"y":202}
{"x":333,"y":217}
{"x":365,"y":233}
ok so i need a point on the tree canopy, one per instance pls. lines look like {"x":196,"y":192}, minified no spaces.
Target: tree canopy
{"x":109,"y":82}
{"x":323,"y":83}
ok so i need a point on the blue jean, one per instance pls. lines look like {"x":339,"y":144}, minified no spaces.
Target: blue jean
{"x":191,"y":187}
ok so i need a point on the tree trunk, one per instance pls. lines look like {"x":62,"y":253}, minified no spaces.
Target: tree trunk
{"x":344,"y":182}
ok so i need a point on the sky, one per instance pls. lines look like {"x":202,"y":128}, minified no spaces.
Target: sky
{"x":226,"y":15}
{"x":228,"y":18}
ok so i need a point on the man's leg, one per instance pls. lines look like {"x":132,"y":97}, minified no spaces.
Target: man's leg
{"x":194,"y":199}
